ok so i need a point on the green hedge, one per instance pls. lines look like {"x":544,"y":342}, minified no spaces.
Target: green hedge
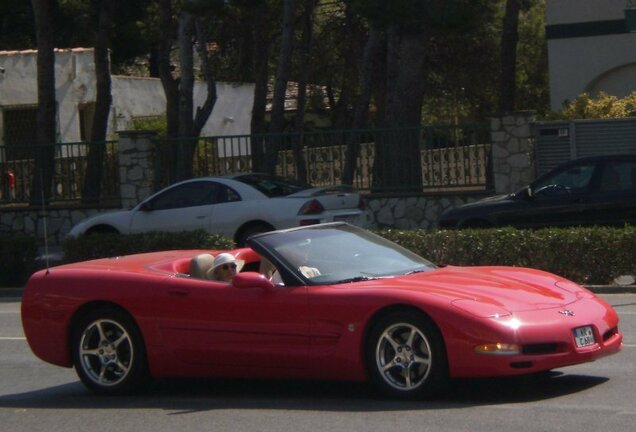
{"x":107,"y":245}
{"x":594,"y":255}
{"x":17,"y":259}
{"x":586,"y":255}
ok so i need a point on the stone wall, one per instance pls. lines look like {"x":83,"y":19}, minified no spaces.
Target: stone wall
{"x":512,"y":152}
{"x":512,"y":162}
{"x":414,"y":211}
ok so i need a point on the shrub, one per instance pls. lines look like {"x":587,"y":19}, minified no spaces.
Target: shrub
{"x":17,"y":259}
{"x":602,"y":106}
{"x":594,"y":255}
{"x":107,"y":245}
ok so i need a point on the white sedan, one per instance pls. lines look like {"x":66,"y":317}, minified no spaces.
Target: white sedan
{"x":237,"y":205}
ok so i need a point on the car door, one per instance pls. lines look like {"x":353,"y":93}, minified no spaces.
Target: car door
{"x":613,"y":200}
{"x":217,"y":325}
{"x":557,"y":199}
{"x":184,"y":207}
{"x":230,"y":211}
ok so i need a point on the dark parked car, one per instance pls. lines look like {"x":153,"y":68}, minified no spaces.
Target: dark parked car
{"x":590,"y":191}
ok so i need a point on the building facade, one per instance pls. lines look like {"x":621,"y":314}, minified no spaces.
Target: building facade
{"x":591,"y":45}
{"x":75,"y":91}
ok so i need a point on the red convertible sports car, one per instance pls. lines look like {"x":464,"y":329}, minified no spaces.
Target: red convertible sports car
{"x":342,"y":304}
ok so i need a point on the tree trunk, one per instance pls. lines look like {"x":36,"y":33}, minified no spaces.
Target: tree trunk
{"x":203,"y":112}
{"x":280,"y":88}
{"x":261,"y":58}
{"x":186,"y":96}
{"x":301,"y":100}
{"x":103,"y":101}
{"x":397,"y":159}
{"x":46,"y":117}
{"x":170,"y":88}
{"x":509,"y":39}
{"x":341,"y":114}
{"x":360,"y":115}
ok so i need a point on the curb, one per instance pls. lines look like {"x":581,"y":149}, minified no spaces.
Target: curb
{"x":612,"y":289}
{"x":11,"y":293}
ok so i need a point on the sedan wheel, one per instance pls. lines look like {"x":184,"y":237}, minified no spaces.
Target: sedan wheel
{"x":108,"y":353}
{"x":406,"y":356}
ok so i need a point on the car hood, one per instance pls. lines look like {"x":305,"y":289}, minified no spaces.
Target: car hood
{"x":509,"y":288}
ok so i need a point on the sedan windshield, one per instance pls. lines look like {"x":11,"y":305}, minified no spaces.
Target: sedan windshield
{"x":338,"y":253}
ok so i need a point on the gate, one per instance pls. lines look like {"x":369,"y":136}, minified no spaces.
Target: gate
{"x":558,"y":142}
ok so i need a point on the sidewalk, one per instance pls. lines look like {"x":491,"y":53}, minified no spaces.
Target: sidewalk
{"x":10,"y":293}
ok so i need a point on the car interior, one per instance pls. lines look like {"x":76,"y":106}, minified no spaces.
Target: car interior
{"x":199,"y":265}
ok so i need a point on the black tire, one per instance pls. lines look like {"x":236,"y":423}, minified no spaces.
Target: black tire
{"x":102,"y":229}
{"x":108,"y":352}
{"x":250,"y":230}
{"x":406,"y":357}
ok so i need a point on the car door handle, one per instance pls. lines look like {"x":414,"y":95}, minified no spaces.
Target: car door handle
{"x":180,"y":292}
{"x":201,"y":217}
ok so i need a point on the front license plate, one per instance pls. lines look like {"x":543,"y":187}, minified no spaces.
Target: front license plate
{"x":584,"y":336}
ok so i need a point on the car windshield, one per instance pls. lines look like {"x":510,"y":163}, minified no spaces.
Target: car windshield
{"x":575,"y":177}
{"x":272,"y":186}
{"x":339,"y":253}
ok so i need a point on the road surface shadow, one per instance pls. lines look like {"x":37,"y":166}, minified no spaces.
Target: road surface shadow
{"x":188,"y":396}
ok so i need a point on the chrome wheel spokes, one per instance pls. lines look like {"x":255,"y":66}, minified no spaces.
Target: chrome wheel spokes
{"x":403,"y":356}
{"x":106,"y":352}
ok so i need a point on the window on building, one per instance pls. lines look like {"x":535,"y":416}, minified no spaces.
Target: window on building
{"x":20,"y":131}
{"x":86,"y":114}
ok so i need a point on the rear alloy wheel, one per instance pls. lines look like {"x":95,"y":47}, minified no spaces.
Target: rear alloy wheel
{"x":108,"y":352}
{"x":406,"y":356}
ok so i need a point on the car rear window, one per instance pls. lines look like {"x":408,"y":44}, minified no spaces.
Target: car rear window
{"x":273,"y":186}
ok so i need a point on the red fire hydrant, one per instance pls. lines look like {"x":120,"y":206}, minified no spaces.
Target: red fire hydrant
{"x":9,"y":180}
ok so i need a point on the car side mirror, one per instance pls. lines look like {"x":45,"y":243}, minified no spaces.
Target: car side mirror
{"x":252,"y":280}
{"x":529,"y":192}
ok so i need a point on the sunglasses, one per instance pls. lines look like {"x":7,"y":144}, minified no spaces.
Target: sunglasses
{"x":228,"y":266}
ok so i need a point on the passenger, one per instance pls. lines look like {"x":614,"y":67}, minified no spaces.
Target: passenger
{"x":225,"y":267}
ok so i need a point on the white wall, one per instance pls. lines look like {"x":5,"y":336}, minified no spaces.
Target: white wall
{"x":134,"y":97}
{"x":575,"y":11}
{"x":589,"y":64}
{"x":75,"y":85}
{"x":577,"y":65}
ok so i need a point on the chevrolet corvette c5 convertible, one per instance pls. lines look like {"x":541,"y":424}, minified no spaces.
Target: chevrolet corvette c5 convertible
{"x":330,"y":302}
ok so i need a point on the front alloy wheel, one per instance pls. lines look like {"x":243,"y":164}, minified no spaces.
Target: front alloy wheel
{"x":108,"y":353}
{"x":406,"y":356}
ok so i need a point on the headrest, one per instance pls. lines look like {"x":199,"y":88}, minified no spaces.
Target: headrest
{"x":200,"y":265}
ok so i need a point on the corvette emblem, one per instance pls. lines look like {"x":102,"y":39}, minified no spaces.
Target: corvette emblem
{"x":567,"y":312}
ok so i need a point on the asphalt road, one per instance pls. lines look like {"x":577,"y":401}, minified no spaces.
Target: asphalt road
{"x":35,"y":396}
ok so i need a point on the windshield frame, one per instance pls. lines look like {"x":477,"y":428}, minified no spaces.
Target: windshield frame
{"x":341,"y":252}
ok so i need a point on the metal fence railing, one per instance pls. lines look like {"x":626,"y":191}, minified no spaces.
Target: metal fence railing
{"x":17,"y":172}
{"x":450,"y":158}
